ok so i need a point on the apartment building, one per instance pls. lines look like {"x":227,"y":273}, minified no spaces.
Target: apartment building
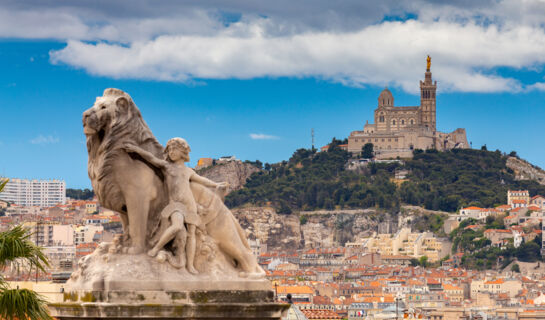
{"x":407,"y":243}
{"x":39,"y":193}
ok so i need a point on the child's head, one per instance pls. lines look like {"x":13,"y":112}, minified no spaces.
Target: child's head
{"x":177,"y":148}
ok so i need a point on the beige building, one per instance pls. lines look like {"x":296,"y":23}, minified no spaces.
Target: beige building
{"x":453,"y":293}
{"x":86,"y":233}
{"x":406,"y":243}
{"x":518,"y":198}
{"x":510,"y":286}
{"x":538,"y":201}
{"x":397,"y":131}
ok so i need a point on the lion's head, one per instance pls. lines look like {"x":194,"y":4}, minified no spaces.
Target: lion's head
{"x":113,"y":120}
{"x":114,"y":108}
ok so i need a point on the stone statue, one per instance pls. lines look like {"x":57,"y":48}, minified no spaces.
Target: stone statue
{"x":122,"y":182}
{"x":182,"y":207}
{"x":428,"y":63}
{"x":167,"y":210}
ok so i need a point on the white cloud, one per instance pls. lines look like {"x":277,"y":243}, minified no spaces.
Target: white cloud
{"x":538,"y":86}
{"x":261,"y":136}
{"x":388,"y":53}
{"x":350,"y":43}
{"x":43,"y":140}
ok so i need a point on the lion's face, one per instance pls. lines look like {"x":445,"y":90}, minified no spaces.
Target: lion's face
{"x":99,"y":116}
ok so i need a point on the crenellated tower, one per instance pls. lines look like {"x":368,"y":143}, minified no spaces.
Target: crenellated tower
{"x":427,"y":99}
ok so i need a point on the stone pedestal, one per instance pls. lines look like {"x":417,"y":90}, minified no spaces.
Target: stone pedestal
{"x":193,"y":304}
{"x":121,"y":286}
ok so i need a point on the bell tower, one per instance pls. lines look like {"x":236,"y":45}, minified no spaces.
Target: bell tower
{"x":427,"y":98}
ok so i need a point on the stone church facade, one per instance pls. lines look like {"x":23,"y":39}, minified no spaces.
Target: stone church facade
{"x":397,"y":131}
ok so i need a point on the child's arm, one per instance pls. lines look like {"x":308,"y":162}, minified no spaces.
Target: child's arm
{"x":148,"y":156}
{"x":204,"y":181}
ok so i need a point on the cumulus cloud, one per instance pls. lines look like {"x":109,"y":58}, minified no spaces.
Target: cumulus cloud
{"x":43,"y":140}
{"x":261,"y":136}
{"x":389,"y":53}
{"x":357,"y":43}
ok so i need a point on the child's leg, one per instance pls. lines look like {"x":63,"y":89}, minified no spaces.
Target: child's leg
{"x":190,"y":248}
{"x":177,"y":222}
{"x":180,"y":241}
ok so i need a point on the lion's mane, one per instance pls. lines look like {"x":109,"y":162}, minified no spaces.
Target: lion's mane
{"x":125,"y":126}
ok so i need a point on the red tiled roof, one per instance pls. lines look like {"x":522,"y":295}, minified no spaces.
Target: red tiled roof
{"x":320,"y":314}
{"x":472,"y":208}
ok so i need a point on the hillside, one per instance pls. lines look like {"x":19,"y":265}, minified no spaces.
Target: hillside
{"x":442,"y":181}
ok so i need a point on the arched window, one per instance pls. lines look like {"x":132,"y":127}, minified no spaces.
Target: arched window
{"x":403,"y":122}
{"x":393,"y":122}
{"x":412,"y":121}
{"x":381,"y":118}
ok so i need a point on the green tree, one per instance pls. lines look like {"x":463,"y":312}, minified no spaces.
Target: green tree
{"x":423,"y":261}
{"x":367,"y":151}
{"x":515,"y":268}
{"x":15,"y":245}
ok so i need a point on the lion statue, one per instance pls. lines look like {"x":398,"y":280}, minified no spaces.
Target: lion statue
{"x":126,"y":183}
{"x":123,"y":182}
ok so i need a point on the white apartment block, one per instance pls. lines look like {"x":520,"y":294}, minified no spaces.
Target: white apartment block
{"x":39,"y":193}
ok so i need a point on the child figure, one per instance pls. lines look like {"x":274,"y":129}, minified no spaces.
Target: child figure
{"x":182,"y":208}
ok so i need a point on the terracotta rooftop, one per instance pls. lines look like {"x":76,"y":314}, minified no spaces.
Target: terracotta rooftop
{"x":320,"y":314}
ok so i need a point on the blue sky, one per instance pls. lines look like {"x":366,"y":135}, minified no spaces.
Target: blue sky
{"x":222,"y":77}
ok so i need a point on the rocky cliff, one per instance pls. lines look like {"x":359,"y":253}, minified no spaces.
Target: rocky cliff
{"x":525,"y":170}
{"x":234,"y":172}
{"x":308,"y":229}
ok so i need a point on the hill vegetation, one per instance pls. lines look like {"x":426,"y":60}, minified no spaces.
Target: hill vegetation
{"x":443,"y":181}
{"x":80,"y":194}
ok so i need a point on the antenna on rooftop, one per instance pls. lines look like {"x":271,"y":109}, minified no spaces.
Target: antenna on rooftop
{"x":312,"y":135}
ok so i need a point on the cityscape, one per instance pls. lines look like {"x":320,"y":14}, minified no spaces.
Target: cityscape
{"x":286,"y":160}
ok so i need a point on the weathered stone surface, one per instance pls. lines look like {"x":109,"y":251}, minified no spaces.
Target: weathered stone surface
{"x":234,"y":172}
{"x":262,"y":310}
{"x":196,"y":304}
{"x":104,"y":270}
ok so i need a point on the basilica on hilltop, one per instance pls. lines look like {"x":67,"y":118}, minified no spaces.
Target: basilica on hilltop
{"x":397,"y":131}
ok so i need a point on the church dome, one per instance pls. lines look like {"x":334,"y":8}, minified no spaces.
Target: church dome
{"x":386,"y":99}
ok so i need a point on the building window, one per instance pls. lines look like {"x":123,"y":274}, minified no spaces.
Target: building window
{"x":402,"y":122}
{"x":381,"y":118}
{"x":412,"y":121}
{"x":394,"y":122}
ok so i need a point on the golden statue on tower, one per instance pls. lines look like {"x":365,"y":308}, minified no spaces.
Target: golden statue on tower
{"x":428,"y":63}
